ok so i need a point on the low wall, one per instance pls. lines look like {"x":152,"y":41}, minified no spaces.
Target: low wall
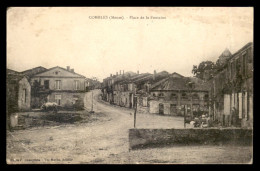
{"x":140,"y":138}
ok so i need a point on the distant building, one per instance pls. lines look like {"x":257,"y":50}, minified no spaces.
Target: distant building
{"x":120,"y":89}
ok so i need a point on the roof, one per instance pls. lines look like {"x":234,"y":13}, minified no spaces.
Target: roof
{"x":241,"y":49}
{"x":34,"y":71}
{"x":150,"y":78}
{"x":127,"y":79}
{"x":175,"y":74}
{"x":62,"y":69}
{"x":15,"y":77}
{"x":176,"y":83}
{"x":10,"y":71}
{"x":226,"y":53}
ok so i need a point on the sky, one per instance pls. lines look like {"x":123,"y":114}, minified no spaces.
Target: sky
{"x":69,"y":36}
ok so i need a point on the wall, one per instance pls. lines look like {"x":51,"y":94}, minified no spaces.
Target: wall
{"x":139,"y":138}
{"x":66,"y":83}
{"x":166,"y":101}
{"x":227,"y":91}
{"x":24,"y":104}
{"x":67,"y":98}
{"x":122,"y":98}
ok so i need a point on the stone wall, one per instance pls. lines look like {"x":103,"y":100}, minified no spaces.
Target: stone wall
{"x":67,"y":98}
{"x":141,"y":138}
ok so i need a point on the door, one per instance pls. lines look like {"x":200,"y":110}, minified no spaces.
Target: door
{"x":173,"y":110}
{"x":161,"y":108}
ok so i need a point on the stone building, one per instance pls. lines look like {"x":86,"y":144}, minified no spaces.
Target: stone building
{"x":60,"y":85}
{"x":232,"y":90}
{"x":169,"y":95}
{"x":110,"y":85}
{"x":120,"y":89}
{"x":125,"y":90}
{"x":18,"y":91}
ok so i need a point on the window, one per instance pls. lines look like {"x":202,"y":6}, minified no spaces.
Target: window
{"x":206,"y":97}
{"x":76,"y":84}
{"x":248,"y":106}
{"x":24,"y":95}
{"x":58,"y":98}
{"x":184,"y":96}
{"x":161,"y":95}
{"x":243,"y":105}
{"x":46,"y":84}
{"x":58,"y":84}
{"x":250,"y":56}
{"x":154,"y":95}
{"x":195,"y":97}
{"x":244,"y":64}
{"x":174,"y":97}
{"x":232,"y":72}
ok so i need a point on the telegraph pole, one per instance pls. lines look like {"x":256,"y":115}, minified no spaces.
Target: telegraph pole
{"x":92,"y":104}
{"x":135,"y":111}
{"x":185,"y":110}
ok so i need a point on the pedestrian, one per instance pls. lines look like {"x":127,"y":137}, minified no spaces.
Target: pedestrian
{"x":197,"y":122}
{"x":204,"y":121}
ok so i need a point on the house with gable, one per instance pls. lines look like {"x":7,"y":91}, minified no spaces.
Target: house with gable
{"x":60,"y":85}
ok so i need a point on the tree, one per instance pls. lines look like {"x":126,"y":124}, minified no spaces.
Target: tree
{"x":204,"y":71}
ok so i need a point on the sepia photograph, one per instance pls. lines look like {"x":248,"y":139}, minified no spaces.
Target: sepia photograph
{"x":129,"y":85}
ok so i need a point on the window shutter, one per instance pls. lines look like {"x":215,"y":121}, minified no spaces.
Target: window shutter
{"x":226,"y":104}
{"x":240,"y":105}
{"x":245,"y":102}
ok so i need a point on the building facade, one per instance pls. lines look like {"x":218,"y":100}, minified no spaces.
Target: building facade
{"x":18,"y":91}
{"x":60,"y":85}
{"x":122,"y":89}
{"x":169,"y":96}
{"x":232,"y":90}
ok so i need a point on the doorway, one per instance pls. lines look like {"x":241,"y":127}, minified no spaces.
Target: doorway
{"x":173,"y":110}
{"x":161,"y":108}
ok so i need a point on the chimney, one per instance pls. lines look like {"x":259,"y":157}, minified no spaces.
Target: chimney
{"x":123,"y":72}
{"x":72,"y":70}
{"x":138,"y":72}
{"x":116,"y":73}
{"x":120,"y":72}
{"x":154,"y":74}
{"x":68,"y":68}
{"x":110,"y":75}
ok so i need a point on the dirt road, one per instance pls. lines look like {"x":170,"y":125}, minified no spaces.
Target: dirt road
{"x":106,"y":141}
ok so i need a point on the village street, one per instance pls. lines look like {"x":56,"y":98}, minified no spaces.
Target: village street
{"x":106,"y":141}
